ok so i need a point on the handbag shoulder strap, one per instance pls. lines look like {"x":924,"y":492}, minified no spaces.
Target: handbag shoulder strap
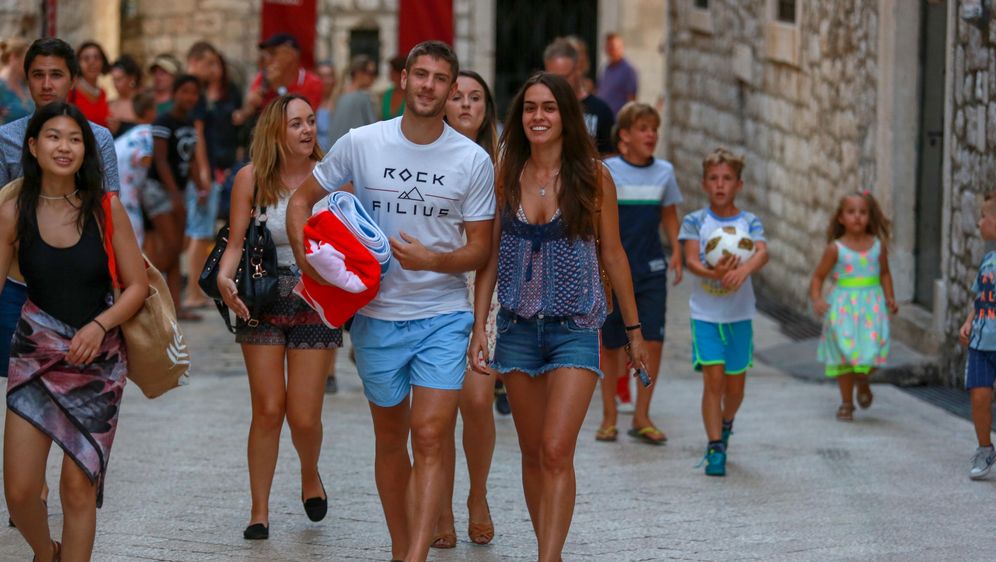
{"x":108,"y":236}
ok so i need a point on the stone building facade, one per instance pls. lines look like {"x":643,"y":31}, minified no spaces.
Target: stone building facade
{"x":831,"y":97}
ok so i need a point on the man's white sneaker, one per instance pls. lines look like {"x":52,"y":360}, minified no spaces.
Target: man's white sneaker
{"x":982,"y":462}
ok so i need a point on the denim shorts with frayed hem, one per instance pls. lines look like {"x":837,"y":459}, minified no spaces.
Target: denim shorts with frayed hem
{"x":538,"y":345}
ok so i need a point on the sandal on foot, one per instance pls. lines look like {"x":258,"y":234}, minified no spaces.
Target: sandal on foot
{"x":845,"y":412}
{"x":607,"y":434}
{"x":481,"y":533}
{"x":865,"y":397}
{"x":444,"y":540}
{"x":649,"y":434}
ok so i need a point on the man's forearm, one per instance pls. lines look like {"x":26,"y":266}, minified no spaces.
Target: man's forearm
{"x":468,"y":258}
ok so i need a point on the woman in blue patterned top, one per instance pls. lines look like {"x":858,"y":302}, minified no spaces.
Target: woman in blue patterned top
{"x":555,"y":200}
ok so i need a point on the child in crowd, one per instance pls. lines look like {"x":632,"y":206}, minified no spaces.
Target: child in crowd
{"x":175,"y":159}
{"x":855,"y":339}
{"x":648,"y":195}
{"x":980,"y":336}
{"x":722,"y":303}
{"x":134,"y":150}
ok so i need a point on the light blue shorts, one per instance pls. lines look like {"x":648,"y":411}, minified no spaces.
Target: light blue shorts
{"x":391,"y":357}
{"x":201,"y":217}
{"x":731,"y":345}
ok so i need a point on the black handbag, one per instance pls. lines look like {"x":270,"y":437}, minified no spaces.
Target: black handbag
{"x":256,"y":278}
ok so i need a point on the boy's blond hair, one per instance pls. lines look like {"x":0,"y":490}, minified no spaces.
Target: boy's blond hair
{"x":723,"y":156}
{"x":631,"y":113}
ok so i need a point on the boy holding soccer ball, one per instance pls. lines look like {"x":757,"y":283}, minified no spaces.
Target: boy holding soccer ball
{"x":723,"y":246}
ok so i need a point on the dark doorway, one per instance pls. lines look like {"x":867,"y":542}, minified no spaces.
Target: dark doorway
{"x":525,"y":27}
{"x":929,"y":189}
{"x":364,"y":41}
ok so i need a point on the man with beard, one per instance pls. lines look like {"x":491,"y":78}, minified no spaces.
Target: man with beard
{"x":429,"y":188}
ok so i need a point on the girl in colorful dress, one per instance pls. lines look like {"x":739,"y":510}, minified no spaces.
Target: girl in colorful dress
{"x":855,"y":339}
{"x":68,"y":360}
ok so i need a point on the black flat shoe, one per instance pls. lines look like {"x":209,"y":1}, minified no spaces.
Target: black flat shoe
{"x":256,"y":532}
{"x":316,"y":508}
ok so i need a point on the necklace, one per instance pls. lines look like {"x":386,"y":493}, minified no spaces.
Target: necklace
{"x":58,"y":197}
{"x":542,"y":188}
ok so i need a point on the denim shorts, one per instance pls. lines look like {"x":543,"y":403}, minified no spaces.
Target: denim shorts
{"x":155,"y":199}
{"x":201,"y":217}
{"x":980,"y":370}
{"x":393,"y":356}
{"x":11,"y":300}
{"x":538,"y":345}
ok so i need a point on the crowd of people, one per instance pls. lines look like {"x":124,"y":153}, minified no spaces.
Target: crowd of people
{"x":556,"y":216}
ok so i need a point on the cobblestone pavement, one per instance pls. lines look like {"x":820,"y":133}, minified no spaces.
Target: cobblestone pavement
{"x":801,"y":486}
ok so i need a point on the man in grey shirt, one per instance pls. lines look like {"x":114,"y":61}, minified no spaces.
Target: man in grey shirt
{"x":355,"y":107}
{"x":51,"y":69}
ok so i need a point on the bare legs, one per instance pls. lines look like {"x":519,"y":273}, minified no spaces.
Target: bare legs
{"x":614,"y":364}
{"x":300,"y":400}
{"x":411,"y":493}
{"x":721,"y":398}
{"x":476,"y":399}
{"x":547,"y":438}
{"x":982,"y":414}
{"x":197,"y":254}
{"x":25,"y":456}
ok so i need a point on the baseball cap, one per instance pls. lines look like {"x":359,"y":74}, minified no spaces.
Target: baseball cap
{"x":166,"y":62}
{"x":278,"y":39}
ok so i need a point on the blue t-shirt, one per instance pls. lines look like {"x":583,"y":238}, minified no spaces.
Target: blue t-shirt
{"x":984,"y":320}
{"x":710,"y":301}
{"x":642,"y":191}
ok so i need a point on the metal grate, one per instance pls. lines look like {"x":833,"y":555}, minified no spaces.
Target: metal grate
{"x":793,"y":324}
{"x":953,"y":400}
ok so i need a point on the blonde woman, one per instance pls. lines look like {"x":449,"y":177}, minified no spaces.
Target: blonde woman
{"x":283,"y":153}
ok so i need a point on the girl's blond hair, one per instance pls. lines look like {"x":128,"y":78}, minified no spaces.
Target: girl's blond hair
{"x":879,"y":225}
{"x":12,"y":47}
{"x":269,"y":150}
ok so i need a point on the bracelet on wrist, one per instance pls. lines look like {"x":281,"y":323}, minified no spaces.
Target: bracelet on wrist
{"x":636,"y":326}
{"x":97,"y":322}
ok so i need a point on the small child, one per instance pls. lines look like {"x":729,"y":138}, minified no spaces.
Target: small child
{"x":980,"y":336}
{"x":855,"y":339}
{"x":722,"y":303}
{"x":648,"y":194}
{"x":134,"y":150}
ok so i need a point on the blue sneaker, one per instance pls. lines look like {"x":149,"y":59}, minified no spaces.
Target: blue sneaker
{"x":715,"y":462}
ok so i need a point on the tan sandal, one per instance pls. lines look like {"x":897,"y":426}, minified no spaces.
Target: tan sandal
{"x":444,"y":540}
{"x":845,"y":412}
{"x":865,"y":396}
{"x":481,"y":533}
{"x":607,"y":434}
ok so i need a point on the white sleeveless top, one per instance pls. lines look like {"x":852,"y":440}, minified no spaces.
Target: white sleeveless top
{"x":276,"y":221}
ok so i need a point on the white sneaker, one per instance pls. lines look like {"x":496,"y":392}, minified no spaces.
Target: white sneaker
{"x":982,"y":462}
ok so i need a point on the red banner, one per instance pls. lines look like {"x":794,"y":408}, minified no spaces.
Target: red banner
{"x":297,"y":17}
{"x":421,"y":20}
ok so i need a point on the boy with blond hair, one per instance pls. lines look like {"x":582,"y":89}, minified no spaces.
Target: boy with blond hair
{"x":722,"y":303}
{"x":979,"y":334}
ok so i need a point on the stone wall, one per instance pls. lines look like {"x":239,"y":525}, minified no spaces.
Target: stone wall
{"x":806,"y":127}
{"x":972,"y":153}
{"x":19,"y":18}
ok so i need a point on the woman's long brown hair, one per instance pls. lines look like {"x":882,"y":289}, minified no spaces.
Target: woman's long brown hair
{"x":578,"y":196}
{"x":269,"y":150}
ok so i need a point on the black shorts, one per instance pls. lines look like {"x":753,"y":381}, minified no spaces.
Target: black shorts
{"x":651,"y":302}
{"x":289,"y":321}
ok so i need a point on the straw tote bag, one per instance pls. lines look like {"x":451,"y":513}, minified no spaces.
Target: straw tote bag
{"x":158,"y":359}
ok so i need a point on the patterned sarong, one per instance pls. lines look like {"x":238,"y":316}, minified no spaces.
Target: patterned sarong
{"x":76,"y":406}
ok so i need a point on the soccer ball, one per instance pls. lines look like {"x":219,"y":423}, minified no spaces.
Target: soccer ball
{"x":727,"y":240}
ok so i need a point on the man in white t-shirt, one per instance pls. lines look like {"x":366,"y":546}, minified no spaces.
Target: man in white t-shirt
{"x":431,"y":190}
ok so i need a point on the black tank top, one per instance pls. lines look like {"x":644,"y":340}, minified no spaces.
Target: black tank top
{"x":70,"y":283}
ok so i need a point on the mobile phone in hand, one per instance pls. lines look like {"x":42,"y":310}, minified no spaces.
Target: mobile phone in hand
{"x":644,"y":377}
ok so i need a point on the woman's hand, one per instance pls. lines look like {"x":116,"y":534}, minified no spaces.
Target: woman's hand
{"x":230,"y":294}
{"x":637,"y":350}
{"x":477,"y":353}
{"x":85,"y":345}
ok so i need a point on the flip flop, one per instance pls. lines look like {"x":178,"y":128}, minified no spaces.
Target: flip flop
{"x":648,"y":435}
{"x":607,"y":434}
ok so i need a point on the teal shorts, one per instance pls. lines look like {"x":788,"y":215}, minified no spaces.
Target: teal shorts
{"x":730,"y":345}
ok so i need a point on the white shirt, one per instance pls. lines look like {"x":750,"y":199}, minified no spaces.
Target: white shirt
{"x":427,"y":191}
{"x":710,"y":302}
